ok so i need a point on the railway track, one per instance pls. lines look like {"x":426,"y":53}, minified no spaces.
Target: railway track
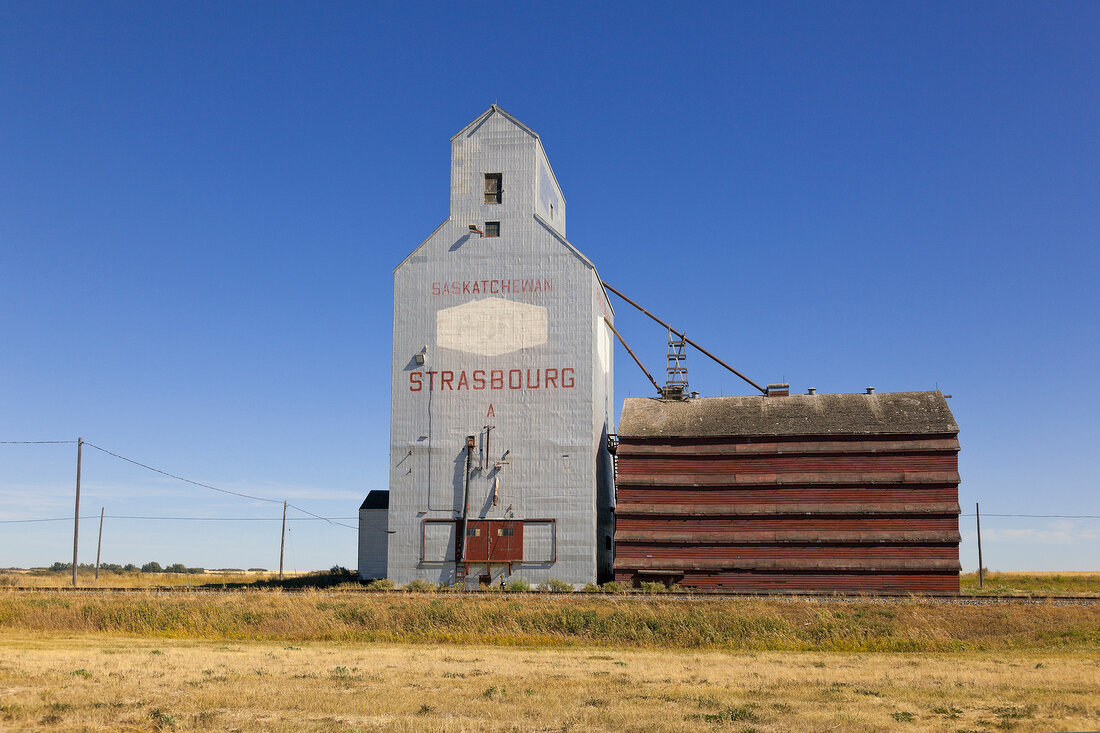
{"x":945,"y":598}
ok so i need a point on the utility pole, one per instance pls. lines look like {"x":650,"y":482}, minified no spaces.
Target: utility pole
{"x":99,"y":545}
{"x":978,"y":519}
{"x":282,"y":542}
{"x":76,"y":517}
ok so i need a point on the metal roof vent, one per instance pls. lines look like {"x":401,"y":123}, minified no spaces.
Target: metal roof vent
{"x":812,"y":390}
{"x":870,"y":390}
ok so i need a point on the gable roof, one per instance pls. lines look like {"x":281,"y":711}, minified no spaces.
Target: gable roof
{"x":481,"y":118}
{"x":376,"y":499}
{"x":886,"y":413}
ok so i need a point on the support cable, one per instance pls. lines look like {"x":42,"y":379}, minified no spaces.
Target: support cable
{"x":685,"y":338}
{"x":631,"y":352}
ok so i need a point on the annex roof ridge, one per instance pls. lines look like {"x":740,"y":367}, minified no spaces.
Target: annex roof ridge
{"x":493,"y":109}
{"x":883,"y":413}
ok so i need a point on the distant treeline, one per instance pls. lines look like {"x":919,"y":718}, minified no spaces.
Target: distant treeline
{"x":149,"y":567}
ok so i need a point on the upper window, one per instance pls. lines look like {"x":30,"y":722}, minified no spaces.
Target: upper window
{"x":492,"y":229}
{"x":493,"y":187}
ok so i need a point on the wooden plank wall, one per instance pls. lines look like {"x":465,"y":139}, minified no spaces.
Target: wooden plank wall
{"x":823,"y":513}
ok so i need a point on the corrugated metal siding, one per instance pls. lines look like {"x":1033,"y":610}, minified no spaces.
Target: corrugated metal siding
{"x":836,"y":521}
{"x":717,"y":464}
{"x":750,"y":580}
{"x":626,"y":552}
{"x":827,"y":513}
{"x":785,"y":494}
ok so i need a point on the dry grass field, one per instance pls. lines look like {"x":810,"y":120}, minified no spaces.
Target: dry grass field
{"x":781,"y":624}
{"x":996,"y":583}
{"x":1056,"y":583}
{"x":96,"y":682}
{"x":340,"y":662}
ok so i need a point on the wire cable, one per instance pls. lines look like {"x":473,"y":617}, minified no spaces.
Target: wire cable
{"x":181,"y":478}
{"x":36,"y":442}
{"x":318,"y":516}
{"x":180,"y":519}
{"x":215,"y":488}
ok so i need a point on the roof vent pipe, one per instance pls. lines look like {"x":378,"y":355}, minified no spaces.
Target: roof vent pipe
{"x":870,"y":390}
{"x":812,"y":390}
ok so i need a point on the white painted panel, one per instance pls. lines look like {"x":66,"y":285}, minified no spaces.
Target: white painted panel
{"x":492,"y":326}
{"x":439,"y":542}
{"x":538,"y":541}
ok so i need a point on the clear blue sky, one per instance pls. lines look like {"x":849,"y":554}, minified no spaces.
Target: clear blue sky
{"x":201,"y":205}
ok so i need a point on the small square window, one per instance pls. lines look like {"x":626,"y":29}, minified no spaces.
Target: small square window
{"x":493,"y":187}
{"x":492,"y":229}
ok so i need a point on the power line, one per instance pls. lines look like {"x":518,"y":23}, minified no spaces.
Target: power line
{"x":193,"y":483}
{"x":185,"y":480}
{"x":51,"y":519}
{"x":318,"y":516}
{"x":182,"y":519}
{"x":37,"y":442}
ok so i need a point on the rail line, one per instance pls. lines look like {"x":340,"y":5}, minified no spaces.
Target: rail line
{"x":822,"y":597}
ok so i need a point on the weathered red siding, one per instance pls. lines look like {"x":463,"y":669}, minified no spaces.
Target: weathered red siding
{"x":828,"y":512}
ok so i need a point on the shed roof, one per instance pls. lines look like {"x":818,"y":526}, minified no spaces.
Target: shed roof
{"x":376,"y":499}
{"x":886,"y":413}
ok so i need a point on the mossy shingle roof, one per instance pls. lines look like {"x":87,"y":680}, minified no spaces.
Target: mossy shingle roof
{"x":886,"y":413}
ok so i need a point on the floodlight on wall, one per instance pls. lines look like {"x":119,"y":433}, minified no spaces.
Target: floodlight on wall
{"x":420,"y":356}
{"x":473,"y":228}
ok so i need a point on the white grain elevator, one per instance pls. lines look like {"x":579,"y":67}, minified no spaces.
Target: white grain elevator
{"x":501,"y":381}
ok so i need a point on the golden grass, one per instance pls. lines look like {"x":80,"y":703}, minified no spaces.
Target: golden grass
{"x":109,"y":579}
{"x":996,"y":583}
{"x":96,"y":683}
{"x":560,"y":620}
{"x":1053,"y":583}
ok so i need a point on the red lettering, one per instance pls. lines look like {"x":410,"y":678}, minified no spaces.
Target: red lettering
{"x":564,"y":379}
{"x":431,"y":380}
{"x":445,"y":379}
{"x":551,"y":378}
{"x":505,"y":286}
{"x":494,"y":286}
{"x":462,"y":381}
{"x":548,"y":285}
{"x":479,"y":382}
{"x":465,"y":287}
{"x":517,"y":382}
{"x":435,"y":288}
{"x":490,"y":413}
{"x":536,"y":384}
{"x":416,"y":382}
{"x":528,"y":285}
{"x":496,"y":379}
{"x":446,"y":289}
{"x":484,"y":286}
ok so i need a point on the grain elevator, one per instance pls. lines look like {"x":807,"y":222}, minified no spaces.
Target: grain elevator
{"x":501,"y":381}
